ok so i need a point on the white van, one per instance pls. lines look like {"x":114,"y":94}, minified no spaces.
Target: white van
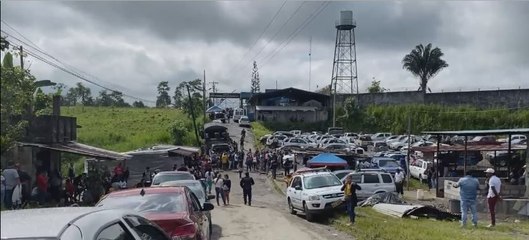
{"x":238,"y":113}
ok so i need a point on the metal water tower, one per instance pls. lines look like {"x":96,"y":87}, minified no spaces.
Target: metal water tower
{"x":344,"y":71}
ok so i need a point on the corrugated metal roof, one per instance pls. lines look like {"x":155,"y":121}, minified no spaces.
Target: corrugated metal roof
{"x":286,"y":108}
{"x":480,"y":132}
{"x":80,"y":149}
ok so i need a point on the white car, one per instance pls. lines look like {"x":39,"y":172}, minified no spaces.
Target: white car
{"x":380,"y":136}
{"x":297,"y":142}
{"x":275,"y":138}
{"x":314,"y":193}
{"x":372,"y":182}
{"x":330,"y":141}
{"x":418,"y":169}
{"x":244,"y":122}
{"x":68,"y":223}
{"x":404,"y":142}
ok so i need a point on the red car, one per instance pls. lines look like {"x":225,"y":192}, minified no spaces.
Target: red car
{"x":175,"y":209}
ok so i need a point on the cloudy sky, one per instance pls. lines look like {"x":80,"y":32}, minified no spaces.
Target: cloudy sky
{"x":132,"y":46}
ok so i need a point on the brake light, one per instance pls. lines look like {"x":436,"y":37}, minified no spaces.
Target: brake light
{"x":186,"y":232}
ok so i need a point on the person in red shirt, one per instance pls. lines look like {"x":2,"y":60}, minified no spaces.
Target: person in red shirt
{"x":118,"y":170}
{"x":70,"y":190}
{"x":42,"y":187}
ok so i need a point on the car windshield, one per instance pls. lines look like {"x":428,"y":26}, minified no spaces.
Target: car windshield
{"x":387,"y":163}
{"x":171,"y":177}
{"x":173,"y":202}
{"x":320,"y":181}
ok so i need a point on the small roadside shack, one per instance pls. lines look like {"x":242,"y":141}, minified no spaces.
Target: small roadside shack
{"x":449,"y":169}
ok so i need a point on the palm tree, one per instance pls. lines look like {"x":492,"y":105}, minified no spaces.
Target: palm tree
{"x":425,"y":63}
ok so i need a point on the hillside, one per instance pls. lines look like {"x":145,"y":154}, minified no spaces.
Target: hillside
{"x":123,"y":129}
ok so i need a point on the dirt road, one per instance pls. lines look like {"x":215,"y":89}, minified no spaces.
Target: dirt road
{"x":268,"y":217}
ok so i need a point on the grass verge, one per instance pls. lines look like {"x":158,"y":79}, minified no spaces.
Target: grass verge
{"x":259,"y":130}
{"x":371,"y":225}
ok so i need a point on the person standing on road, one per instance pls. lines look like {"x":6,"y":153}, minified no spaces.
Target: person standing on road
{"x":227,"y":188}
{"x":246,"y":185}
{"x":249,"y":161}
{"x":219,"y":190}
{"x":399,"y":181}
{"x":349,"y":189}
{"x":493,"y":195}
{"x":12,"y":179}
{"x":209,"y":180}
{"x":468,"y":191}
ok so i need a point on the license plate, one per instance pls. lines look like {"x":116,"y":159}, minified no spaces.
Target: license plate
{"x":336,"y":203}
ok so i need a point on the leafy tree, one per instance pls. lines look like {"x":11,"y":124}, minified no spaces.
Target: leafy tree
{"x":84,"y":94}
{"x":424,"y":63}
{"x":104,"y":99}
{"x":117,"y":99}
{"x":375,"y":87}
{"x":325,"y":90}
{"x":71,"y":97}
{"x":181,"y":98}
{"x":163,"y":99}
{"x":138,"y":104}
{"x":17,"y":88}
{"x":256,"y":85}
{"x":4,"y":44}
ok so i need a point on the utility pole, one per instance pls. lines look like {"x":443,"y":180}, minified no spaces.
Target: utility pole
{"x":204,"y":95}
{"x":191,"y":107}
{"x":22,"y":58}
{"x":214,"y":88}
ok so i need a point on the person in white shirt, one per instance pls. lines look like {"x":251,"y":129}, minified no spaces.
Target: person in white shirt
{"x":493,"y":195}
{"x":399,"y":181}
{"x":219,"y":190}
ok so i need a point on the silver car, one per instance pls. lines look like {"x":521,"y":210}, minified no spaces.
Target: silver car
{"x":167,"y":176}
{"x":78,"y":223}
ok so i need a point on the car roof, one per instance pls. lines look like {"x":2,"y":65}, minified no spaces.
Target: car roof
{"x":308,"y":174}
{"x":173,"y":173}
{"x":149,"y":190}
{"x":50,"y":222}
{"x":179,"y":183}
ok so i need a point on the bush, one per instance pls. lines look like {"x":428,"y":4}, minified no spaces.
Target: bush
{"x":178,"y":130}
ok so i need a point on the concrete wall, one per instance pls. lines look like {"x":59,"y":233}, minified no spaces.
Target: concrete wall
{"x":483,"y":99}
{"x":286,"y":116}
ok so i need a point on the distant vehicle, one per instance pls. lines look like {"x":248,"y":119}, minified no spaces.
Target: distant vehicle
{"x":380,"y":146}
{"x":364,"y":141}
{"x":380,"y":136}
{"x":244,"y":122}
{"x":167,"y":176}
{"x":397,"y":145}
{"x":175,"y":209}
{"x":68,"y":223}
{"x":483,"y":140}
{"x":238,"y":113}
{"x":337,"y":147}
{"x":275,"y":139}
{"x":296,"y":132}
{"x":335,"y":130}
{"x":220,"y":147}
{"x":298,"y":142}
{"x":519,"y":141}
{"x":220,"y":116}
{"x":391,"y":138}
{"x":314,"y":193}
{"x":342,"y":173}
{"x":351,"y":134}
{"x":516,"y":137}
{"x":372,"y":182}
{"x":419,"y":168}
{"x":388,"y":164}
{"x":329,"y":141}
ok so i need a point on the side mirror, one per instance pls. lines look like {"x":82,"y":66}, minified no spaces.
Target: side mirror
{"x":298,"y":187}
{"x":210,"y":197}
{"x":207,"y":207}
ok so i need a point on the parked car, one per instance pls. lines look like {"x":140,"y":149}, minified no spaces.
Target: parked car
{"x":220,"y":147}
{"x":418,"y":169}
{"x":342,"y":173}
{"x":238,"y":113}
{"x":483,"y":140}
{"x":516,"y":137}
{"x":275,"y":139}
{"x":175,"y":209}
{"x":386,"y":163}
{"x":391,"y":138}
{"x":198,"y":188}
{"x":380,"y":136}
{"x":397,"y":145}
{"x":372,"y":182}
{"x":296,"y":132}
{"x":364,"y":141}
{"x":337,"y":147}
{"x":219,"y":116}
{"x":167,"y":176}
{"x":68,"y":223}
{"x":297,"y":142}
{"x":314,"y":193}
{"x":380,"y":146}
{"x":244,"y":121}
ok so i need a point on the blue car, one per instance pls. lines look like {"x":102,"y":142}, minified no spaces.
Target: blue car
{"x":390,"y":165}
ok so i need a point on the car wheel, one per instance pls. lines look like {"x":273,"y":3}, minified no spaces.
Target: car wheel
{"x":308,"y":215}
{"x":290,"y":207}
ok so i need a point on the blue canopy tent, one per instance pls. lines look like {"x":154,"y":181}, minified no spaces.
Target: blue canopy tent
{"x":328,"y":160}
{"x":214,"y":109}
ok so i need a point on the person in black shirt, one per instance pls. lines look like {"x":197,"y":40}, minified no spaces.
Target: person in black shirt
{"x":227,"y":188}
{"x":246,"y":185}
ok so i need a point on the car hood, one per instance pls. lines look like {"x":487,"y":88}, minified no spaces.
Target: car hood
{"x":169,"y":221}
{"x":325,"y":190}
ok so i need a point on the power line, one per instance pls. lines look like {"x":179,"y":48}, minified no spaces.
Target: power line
{"x":295,"y":33}
{"x":73,"y":73}
{"x":261,"y":35}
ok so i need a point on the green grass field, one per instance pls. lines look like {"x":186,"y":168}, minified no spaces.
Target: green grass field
{"x":371,"y":225}
{"x":123,"y":129}
{"x":259,"y":130}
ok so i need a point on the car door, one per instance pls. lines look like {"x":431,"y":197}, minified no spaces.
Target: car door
{"x":143,"y":228}
{"x":197,"y":215}
{"x":295,"y":195}
{"x":357,"y":178}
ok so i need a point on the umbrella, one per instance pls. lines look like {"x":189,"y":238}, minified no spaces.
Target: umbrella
{"x":327,"y":159}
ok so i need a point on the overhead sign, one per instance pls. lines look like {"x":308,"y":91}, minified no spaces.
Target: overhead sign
{"x":224,"y":95}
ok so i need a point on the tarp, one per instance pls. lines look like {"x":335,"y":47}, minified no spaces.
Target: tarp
{"x":214,"y":109}
{"x":397,"y":210}
{"x":327,"y":159}
{"x":385,"y":197}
